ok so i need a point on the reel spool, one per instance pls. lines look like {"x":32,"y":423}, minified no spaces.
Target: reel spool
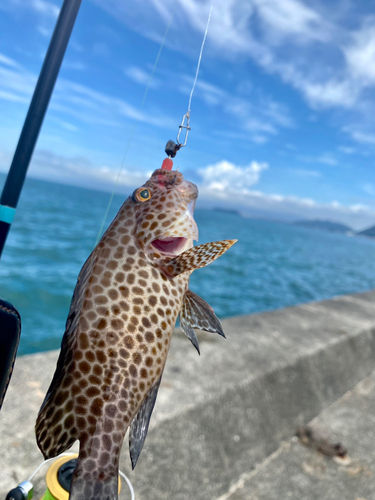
{"x":59,"y":478}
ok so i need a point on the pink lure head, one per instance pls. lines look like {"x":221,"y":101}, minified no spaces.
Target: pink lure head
{"x":167,"y":164}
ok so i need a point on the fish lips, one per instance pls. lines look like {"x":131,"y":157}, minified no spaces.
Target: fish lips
{"x":173,"y":239}
{"x":180,"y":235}
{"x":172,"y":246}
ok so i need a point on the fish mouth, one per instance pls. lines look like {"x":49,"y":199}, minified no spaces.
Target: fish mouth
{"x":170,"y":246}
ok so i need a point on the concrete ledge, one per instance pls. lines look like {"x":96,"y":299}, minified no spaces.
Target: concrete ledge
{"x":295,"y":472}
{"x":219,"y":414}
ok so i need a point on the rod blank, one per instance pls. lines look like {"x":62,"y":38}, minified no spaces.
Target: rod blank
{"x":38,"y":106}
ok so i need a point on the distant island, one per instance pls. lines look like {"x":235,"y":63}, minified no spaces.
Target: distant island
{"x":368,"y":232}
{"x":227,"y":210}
{"x":325,"y":225}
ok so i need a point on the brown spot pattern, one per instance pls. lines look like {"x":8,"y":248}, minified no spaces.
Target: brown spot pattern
{"x":122,"y":335}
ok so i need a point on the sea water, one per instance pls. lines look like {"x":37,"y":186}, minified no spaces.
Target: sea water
{"x":272,"y":265}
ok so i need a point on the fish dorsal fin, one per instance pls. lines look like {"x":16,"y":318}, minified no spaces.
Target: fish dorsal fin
{"x":57,"y":411}
{"x":196,"y":313}
{"x":139,"y":426}
{"x":196,"y":257}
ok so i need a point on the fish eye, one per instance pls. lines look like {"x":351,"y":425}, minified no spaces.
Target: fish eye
{"x":141,"y":194}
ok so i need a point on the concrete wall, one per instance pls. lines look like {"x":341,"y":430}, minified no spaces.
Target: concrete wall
{"x":223,"y":412}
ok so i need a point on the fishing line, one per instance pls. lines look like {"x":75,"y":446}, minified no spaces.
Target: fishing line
{"x":129,"y":484}
{"x":46,"y":462}
{"x":171,"y":148}
{"x":136,"y":125}
{"x":200,"y":57}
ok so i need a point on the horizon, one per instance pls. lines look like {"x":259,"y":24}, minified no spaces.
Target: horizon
{"x":282,"y":116}
{"x":272,"y":217}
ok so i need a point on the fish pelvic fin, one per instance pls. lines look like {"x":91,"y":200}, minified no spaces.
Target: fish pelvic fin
{"x":196,"y":313}
{"x":196,"y":257}
{"x":189,"y":332}
{"x":91,"y":486}
{"x":139,"y":426}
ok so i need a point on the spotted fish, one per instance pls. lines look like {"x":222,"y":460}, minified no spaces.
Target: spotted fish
{"x":124,"y":309}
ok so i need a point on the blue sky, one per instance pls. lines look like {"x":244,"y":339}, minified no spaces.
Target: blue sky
{"x":283,"y":115}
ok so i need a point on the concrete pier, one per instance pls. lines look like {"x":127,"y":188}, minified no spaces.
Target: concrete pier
{"x":222,"y":416}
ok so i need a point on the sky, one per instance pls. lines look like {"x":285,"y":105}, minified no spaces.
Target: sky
{"x":282,"y":117}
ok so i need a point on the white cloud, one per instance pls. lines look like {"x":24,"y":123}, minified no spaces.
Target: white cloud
{"x":347,"y":150}
{"x":292,"y":207}
{"x":359,"y":136}
{"x":84,"y":103}
{"x":307,"y":45}
{"x":259,"y":139}
{"x":232,"y":186}
{"x":66,"y":125}
{"x":75,"y":65}
{"x":263,"y":115}
{"x":228,"y":177}
{"x":259,"y":114}
{"x":360,"y":54}
{"x":46,"y":8}
{"x":207,"y":91}
{"x":12,"y":97}
{"x":97,"y":105}
{"x":16,"y":83}
{"x":141,"y":76}
{"x":8,"y":61}
{"x":44,"y":31}
{"x":328,"y":93}
{"x":42,"y":7}
{"x":369,"y":189}
{"x":328,"y":159}
{"x":224,"y":182}
{"x":301,"y":172}
{"x":80,"y":171}
{"x":291,"y":17}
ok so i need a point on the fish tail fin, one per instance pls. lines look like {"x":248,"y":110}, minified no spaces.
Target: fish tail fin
{"x":90,"y":484}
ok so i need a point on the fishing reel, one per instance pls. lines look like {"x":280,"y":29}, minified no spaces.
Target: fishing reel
{"x":58,"y":480}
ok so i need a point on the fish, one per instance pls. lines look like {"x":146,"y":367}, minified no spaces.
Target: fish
{"x":128,"y":296}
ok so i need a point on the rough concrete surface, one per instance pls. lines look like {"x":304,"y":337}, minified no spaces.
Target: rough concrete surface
{"x":295,"y":472}
{"x":220,"y":414}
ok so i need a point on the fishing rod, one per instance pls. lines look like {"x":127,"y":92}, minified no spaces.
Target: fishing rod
{"x":10,"y":322}
{"x":34,"y":118}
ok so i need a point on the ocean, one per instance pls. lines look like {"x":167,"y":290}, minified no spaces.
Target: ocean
{"x":272,"y":265}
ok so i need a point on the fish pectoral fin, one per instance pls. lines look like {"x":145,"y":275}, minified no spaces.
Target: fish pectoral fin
{"x":196,"y":257}
{"x":139,"y":426}
{"x":196,"y":313}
